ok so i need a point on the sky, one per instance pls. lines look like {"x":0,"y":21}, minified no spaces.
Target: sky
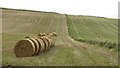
{"x":103,"y":8}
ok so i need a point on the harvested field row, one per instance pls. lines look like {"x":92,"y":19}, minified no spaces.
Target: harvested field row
{"x":94,"y":30}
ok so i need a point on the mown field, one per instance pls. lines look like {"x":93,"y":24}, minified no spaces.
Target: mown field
{"x":94,"y":30}
{"x":67,"y":52}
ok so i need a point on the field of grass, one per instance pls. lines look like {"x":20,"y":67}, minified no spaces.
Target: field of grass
{"x":94,"y":30}
{"x":66,"y":52}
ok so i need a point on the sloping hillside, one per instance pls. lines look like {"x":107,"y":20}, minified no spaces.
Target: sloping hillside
{"x":18,"y":24}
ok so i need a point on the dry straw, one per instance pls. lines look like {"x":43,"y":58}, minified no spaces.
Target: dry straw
{"x":34,"y":46}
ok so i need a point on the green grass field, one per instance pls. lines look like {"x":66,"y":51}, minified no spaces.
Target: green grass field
{"x":101,"y":31}
{"x":67,"y":52}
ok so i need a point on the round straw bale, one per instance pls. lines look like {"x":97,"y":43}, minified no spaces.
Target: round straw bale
{"x":36,"y":45}
{"x":40,"y":34}
{"x":45,"y":43}
{"x":24,"y":48}
{"x":49,"y":41}
{"x":41,"y":45}
{"x":54,"y":34}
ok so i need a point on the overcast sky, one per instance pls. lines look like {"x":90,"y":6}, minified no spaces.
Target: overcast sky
{"x":104,"y":8}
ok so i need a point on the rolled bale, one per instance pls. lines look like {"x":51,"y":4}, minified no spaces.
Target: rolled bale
{"x":41,"y":45}
{"x":54,"y":34}
{"x":50,"y":34}
{"x":46,"y":42}
{"x":24,"y":48}
{"x":36,"y":44}
{"x":49,"y":41}
{"x":29,"y":47}
{"x":41,"y":34}
{"x":33,"y":46}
